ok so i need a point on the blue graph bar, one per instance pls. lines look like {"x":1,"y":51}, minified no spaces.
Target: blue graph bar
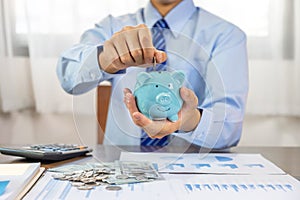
{"x":217,"y":187}
{"x":223,"y":158}
{"x":198,"y":166}
{"x":87,"y":195}
{"x":189,"y":187}
{"x":280,"y":187}
{"x":232,"y":166}
{"x":67,"y":189}
{"x":289,"y":187}
{"x":235,"y":187}
{"x":271,"y":186}
{"x":47,"y":187}
{"x":251,"y":186}
{"x":197,"y":186}
{"x":238,"y":187}
{"x":171,"y":166}
{"x":225,"y":186}
{"x":207,"y":186}
{"x":262,"y":187}
{"x":131,"y":186}
{"x":243,"y":186}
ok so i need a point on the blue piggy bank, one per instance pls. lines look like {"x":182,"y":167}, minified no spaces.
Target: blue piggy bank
{"x":157,"y":94}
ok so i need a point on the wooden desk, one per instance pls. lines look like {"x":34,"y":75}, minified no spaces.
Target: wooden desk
{"x":287,"y":158}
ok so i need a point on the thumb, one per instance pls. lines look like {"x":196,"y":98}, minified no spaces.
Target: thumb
{"x":160,"y":56}
{"x":189,"y":98}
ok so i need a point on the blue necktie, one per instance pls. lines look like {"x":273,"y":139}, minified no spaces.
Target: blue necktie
{"x":159,"y":43}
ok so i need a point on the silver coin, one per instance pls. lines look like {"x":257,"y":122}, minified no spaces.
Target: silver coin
{"x":77,"y":184}
{"x":68,"y":173}
{"x":58,"y":176}
{"x":122,"y":176}
{"x":92,"y":184}
{"x":113,"y":188}
{"x":89,"y":174}
{"x":85,"y":187}
{"x":101,"y":177}
{"x":101,"y":183}
{"x":88,"y":180}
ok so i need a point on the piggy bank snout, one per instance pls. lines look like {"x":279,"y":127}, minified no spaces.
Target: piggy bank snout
{"x":163,"y":99}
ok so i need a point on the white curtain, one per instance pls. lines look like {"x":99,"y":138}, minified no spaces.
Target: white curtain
{"x":47,"y":27}
{"x":273,"y":30}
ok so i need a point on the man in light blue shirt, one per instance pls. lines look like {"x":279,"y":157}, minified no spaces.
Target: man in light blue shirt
{"x":211,"y":52}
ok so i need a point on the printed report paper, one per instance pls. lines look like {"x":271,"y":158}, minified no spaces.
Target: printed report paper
{"x":178,"y":187}
{"x":20,"y":177}
{"x":213,"y":163}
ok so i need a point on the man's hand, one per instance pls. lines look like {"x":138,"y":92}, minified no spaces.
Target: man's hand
{"x":132,"y":46}
{"x":189,"y":115}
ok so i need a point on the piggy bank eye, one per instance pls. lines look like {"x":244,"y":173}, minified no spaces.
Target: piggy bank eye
{"x":156,"y":85}
{"x":170,"y":85}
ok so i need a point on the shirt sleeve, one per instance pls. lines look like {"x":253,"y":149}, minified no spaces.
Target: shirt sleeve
{"x":78,"y":69}
{"x":227,"y":82}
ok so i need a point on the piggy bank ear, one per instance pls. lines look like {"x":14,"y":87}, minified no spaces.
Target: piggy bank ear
{"x":179,"y":77}
{"x":142,"y":78}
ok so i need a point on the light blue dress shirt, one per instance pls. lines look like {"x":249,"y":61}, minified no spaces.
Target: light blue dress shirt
{"x":211,"y":52}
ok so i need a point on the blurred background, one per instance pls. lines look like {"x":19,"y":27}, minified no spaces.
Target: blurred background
{"x":34,"y":108}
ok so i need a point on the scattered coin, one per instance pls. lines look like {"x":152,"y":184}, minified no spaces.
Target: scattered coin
{"x":77,"y":184}
{"x":85,"y":187}
{"x":92,"y":184}
{"x":101,"y":177}
{"x":68,"y":173}
{"x":122,"y":176}
{"x":58,"y":176}
{"x":113,"y":188}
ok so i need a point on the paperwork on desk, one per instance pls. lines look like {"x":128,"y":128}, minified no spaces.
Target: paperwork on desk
{"x":178,"y":186}
{"x":206,"y":163}
{"x":188,"y":176}
{"x":18,"y":179}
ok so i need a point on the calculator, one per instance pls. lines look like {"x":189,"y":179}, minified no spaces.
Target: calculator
{"x":47,"y":152}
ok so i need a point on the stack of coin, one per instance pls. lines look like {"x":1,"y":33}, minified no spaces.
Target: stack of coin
{"x":96,"y":174}
{"x":85,"y":179}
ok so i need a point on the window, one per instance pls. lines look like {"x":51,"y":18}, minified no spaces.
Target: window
{"x":58,"y":17}
{"x":267,"y":23}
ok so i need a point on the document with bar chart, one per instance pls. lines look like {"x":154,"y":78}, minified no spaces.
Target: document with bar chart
{"x":178,"y":186}
{"x":213,"y":163}
{"x":275,"y":187}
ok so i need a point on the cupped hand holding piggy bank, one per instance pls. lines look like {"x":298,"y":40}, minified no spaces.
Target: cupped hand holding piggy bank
{"x":157,"y":94}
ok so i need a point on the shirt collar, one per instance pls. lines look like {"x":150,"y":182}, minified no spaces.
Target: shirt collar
{"x":176,"y":18}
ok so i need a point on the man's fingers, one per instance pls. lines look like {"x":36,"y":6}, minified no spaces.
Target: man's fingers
{"x":132,"y":46}
{"x":109,"y":61}
{"x":129,"y":101}
{"x":160,"y":56}
{"x":140,"y":119}
{"x":146,"y":44}
{"x":123,"y":49}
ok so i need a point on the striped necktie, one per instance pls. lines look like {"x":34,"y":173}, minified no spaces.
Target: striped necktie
{"x":159,"y":43}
